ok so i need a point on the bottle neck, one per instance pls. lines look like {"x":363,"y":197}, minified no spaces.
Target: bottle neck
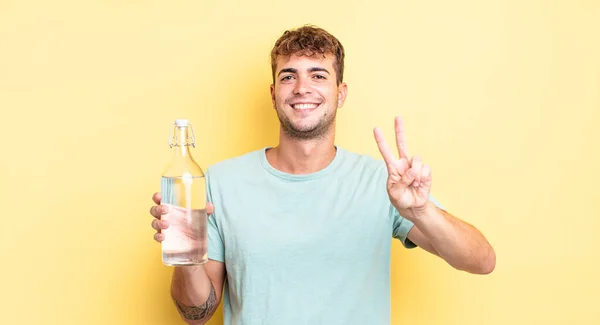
{"x":182,"y":141}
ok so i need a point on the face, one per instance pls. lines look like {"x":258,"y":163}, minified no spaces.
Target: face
{"x":306,"y":95}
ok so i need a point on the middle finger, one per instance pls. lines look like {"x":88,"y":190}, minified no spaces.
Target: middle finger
{"x":160,"y":224}
{"x":158,"y":210}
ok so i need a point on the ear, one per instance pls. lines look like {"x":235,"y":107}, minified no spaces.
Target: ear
{"x":342,"y":93}
{"x":273,"y":95}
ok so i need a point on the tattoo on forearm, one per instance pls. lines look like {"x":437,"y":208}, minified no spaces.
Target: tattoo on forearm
{"x":199,"y":312}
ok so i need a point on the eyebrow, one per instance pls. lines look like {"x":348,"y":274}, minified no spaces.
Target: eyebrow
{"x":292,"y":70}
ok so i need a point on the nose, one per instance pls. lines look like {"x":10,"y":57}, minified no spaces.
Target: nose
{"x":302,"y":87}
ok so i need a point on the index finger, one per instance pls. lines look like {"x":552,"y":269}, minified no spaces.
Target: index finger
{"x":385,"y":150}
{"x":400,"y":139}
{"x":156,"y":198}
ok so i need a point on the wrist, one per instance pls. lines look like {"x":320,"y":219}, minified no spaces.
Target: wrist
{"x":190,"y":271}
{"x":418,"y":213}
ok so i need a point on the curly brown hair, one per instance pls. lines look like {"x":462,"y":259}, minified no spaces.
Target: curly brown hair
{"x":309,"y":41}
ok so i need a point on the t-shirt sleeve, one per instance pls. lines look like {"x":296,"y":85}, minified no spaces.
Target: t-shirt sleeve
{"x":401,"y":228}
{"x":216,"y":248}
{"x":402,"y":225}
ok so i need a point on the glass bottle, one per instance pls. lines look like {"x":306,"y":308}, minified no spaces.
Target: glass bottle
{"x":183,"y":190}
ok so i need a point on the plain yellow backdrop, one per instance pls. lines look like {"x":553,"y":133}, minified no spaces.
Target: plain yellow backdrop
{"x":500,"y":98}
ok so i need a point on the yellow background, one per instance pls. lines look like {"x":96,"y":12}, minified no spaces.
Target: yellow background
{"x":501,"y":98}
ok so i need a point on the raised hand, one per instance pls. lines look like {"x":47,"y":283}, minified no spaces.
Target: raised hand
{"x":409,"y":180}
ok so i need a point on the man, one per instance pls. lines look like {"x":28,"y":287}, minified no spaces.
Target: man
{"x":302,"y":232}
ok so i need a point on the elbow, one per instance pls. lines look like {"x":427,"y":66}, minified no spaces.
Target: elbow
{"x":193,"y":320}
{"x":488,"y":268}
{"x":479,"y":265}
{"x":488,"y":263}
{"x":190,"y":321}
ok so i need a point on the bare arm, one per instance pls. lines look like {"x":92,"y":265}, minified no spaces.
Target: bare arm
{"x":460,"y":244}
{"x":436,"y":231}
{"x":196,"y":291}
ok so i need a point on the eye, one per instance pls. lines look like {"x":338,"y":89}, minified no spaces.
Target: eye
{"x":320,"y":76}
{"x":286,"y":78}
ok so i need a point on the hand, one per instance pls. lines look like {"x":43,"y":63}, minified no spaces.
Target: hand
{"x":175,"y":213}
{"x":409,"y":181}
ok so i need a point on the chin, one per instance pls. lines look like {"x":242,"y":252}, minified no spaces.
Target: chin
{"x":306,"y":132}
{"x":304,"y":127}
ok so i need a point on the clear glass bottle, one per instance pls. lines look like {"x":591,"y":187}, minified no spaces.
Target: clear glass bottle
{"x":183,"y":190}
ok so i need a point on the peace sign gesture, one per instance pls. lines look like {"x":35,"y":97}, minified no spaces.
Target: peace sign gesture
{"x":409,"y":181}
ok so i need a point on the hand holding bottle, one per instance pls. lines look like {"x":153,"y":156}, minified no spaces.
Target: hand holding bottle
{"x":174,"y":215}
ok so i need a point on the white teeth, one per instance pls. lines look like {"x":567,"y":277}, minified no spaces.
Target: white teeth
{"x":305,"y":106}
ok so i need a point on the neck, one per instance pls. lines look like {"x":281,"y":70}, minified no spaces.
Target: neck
{"x":295,"y":156}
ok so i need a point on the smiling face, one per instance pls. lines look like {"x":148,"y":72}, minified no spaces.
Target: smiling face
{"x":306,"y":95}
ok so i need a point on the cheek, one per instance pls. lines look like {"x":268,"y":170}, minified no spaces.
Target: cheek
{"x":280,"y":93}
{"x":280,"y":98}
{"x":326,"y":88}
{"x":328,"y":93}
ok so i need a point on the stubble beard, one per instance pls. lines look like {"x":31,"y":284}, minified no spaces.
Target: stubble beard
{"x":314,"y":132}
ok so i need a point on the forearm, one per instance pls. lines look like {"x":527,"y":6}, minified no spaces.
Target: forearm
{"x":193,"y":294}
{"x":457,"y":242}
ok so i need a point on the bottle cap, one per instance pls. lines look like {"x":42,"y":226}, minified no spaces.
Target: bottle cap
{"x":181,"y":122}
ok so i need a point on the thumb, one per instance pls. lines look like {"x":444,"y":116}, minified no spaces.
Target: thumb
{"x":210,"y":208}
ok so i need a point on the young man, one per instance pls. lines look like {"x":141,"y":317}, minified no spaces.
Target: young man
{"x":302,"y":232}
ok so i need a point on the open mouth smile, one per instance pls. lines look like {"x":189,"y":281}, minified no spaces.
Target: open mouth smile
{"x":305,"y":106}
